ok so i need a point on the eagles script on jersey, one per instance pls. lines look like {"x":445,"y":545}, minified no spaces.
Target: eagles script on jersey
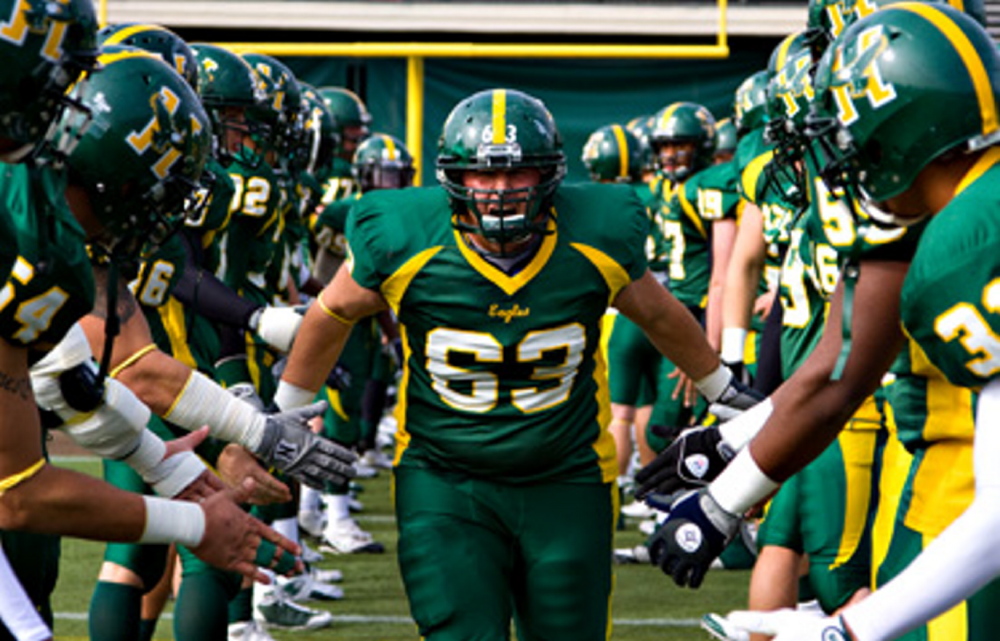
{"x":503,"y":376}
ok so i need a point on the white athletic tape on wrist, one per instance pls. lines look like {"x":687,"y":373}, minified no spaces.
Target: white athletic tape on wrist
{"x":713,"y":385}
{"x":741,"y":485}
{"x":115,"y":429}
{"x":741,"y":430}
{"x":733,"y":344}
{"x":204,"y":402}
{"x":69,"y":352}
{"x":169,"y":521}
{"x":289,"y":397}
{"x":170,"y":476}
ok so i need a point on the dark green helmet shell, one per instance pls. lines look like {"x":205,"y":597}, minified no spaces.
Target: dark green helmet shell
{"x":725,"y":136}
{"x":912,"y":62}
{"x":349,"y":111}
{"x":142,"y":156}
{"x":641,"y":127}
{"x":686,"y":122}
{"x":321,"y":131}
{"x":156,"y":39}
{"x":46,"y":47}
{"x":750,"y":103}
{"x":613,"y":154}
{"x":382,"y":162}
{"x":499,"y":129}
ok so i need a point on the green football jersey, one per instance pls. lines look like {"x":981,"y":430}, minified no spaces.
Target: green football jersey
{"x":950,"y":302}
{"x":339,"y":183}
{"x":328,"y":224}
{"x":253,"y":235}
{"x":503,"y":375}
{"x":51,"y":283}
{"x":708,"y":196}
{"x":777,"y":213}
{"x":809,"y":275}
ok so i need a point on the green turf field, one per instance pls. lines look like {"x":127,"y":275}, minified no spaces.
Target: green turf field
{"x":647,"y":605}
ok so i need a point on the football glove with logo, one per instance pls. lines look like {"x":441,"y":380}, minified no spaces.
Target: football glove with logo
{"x":289,"y":446}
{"x":791,"y":625}
{"x":694,"y":459}
{"x":693,"y":536}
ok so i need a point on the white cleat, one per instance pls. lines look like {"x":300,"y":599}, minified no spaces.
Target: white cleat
{"x":345,"y":536}
{"x":248,"y":631}
{"x":638,"y":510}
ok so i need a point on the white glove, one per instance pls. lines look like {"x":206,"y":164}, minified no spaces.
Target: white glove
{"x":791,"y":625}
{"x":276,"y":325}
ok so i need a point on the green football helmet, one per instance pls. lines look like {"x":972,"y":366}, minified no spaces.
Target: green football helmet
{"x":641,"y":127}
{"x":44,"y":48}
{"x":499,"y":129}
{"x":155,"y":39}
{"x":750,"y":103}
{"x":229,"y":87}
{"x":789,"y":46}
{"x":789,"y":99}
{"x":321,"y":131}
{"x":282,"y":110}
{"x":613,"y":154}
{"x":827,"y":19}
{"x":382,"y":162}
{"x":725,"y":139}
{"x":142,"y":156}
{"x":909,"y":64}
{"x":679,"y":123}
{"x":350,"y":116}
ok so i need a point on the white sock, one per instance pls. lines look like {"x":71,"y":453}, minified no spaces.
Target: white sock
{"x":309,"y":500}
{"x":337,"y":507}
{"x":289,"y":528}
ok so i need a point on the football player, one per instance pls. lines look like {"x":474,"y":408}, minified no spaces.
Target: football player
{"x":500,"y":277}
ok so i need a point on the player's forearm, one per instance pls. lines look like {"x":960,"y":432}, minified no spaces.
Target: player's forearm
{"x":157,"y":379}
{"x":60,"y":501}
{"x":317,"y":347}
{"x":669,"y":325}
{"x":812,"y":406}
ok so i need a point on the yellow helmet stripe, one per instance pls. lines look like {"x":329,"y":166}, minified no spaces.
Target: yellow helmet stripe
{"x":783,"y":48}
{"x":668,"y":114}
{"x":958,"y":4}
{"x":109,"y":58}
{"x":390,"y":148}
{"x":121,"y":36}
{"x":622,"y":150}
{"x":499,"y":116}
{"x":970,"y":58}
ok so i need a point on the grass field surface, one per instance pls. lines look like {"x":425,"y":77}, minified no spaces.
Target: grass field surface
{"x":647,"y":605}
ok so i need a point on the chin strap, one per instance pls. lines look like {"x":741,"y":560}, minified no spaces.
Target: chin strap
{"x":112,"y":324}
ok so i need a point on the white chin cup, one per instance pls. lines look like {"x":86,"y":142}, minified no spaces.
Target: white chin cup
{"x":876,"y":213}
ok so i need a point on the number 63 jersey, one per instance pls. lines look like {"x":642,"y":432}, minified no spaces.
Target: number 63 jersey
{"x":950,"y":303}
{"x":503,"y":377}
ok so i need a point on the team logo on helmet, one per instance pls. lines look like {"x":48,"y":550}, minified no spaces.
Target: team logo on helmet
{"x":856,"y":75}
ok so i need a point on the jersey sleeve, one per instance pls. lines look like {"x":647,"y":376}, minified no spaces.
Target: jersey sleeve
{"x":950,"y":304}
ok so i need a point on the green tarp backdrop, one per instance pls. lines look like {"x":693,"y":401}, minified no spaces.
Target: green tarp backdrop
{"x":582,"y":94}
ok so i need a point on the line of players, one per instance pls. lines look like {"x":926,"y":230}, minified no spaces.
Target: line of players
{"x":158,"y":216}
{"x":864,"y":206}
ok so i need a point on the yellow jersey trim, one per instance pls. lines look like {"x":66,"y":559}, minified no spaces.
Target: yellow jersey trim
{"x":395,"y":286}
{"x":985,"y":162}
{"x":614,"y":274}
{"x":510,"y":284}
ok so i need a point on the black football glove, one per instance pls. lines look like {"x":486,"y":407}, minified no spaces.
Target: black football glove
{"x":693,"y":536}
{"x":694,"y":459}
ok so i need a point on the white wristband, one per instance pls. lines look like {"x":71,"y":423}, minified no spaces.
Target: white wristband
{"x":288,"y":396}
{"x":741,"y":485}
{"x":205,"y":402}
{"x":734,"y":341}
{"x":173,"y":475}
{"x":169,"y":521}
{"x":741,"y":430}
{"x":713,"y":385}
